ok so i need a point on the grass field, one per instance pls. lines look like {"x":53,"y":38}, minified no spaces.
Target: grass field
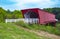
{"x":12,"y":31}
{"x":50,"y":29}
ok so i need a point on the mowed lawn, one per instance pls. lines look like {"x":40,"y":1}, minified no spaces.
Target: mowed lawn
{"x":12,"y":31}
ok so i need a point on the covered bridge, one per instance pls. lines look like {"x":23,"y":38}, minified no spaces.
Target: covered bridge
{"x":43,"y":17}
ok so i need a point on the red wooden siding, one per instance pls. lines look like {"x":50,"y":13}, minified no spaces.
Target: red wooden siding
{"x":43,"y":16}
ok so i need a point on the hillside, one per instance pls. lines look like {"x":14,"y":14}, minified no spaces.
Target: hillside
{"x":12,"y":31}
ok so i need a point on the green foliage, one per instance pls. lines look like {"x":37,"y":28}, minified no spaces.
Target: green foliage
{"x":17,"y":14}
{"x":50,"y":29}
{"x":2,"y":14}
{"x":21,"y":23}
{"x":12,"y":31}
{"x":7,"y":14}
{"x":48,"y":9}
{"x":58,"y":16}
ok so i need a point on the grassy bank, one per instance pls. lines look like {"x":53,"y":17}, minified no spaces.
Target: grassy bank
{"x":50,"y":29}
{"x":12,"y":31}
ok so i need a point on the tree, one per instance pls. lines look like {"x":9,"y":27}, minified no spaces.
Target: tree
{"x":48,"y":9}
{"x":58,"y":16}
{"x":2,"y":14}
{"x":17,"y":14}
{"x":8,"y":11}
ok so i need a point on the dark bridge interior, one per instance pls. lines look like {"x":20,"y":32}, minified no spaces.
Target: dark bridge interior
{"x":31,"y":14}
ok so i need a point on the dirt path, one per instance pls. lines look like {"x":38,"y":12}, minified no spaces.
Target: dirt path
{"x":43,"y":33}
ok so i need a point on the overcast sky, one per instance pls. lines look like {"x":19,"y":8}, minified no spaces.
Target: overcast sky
{"x":23,"y":4}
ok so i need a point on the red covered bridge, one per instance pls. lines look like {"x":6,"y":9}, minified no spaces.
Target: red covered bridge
{"x":43,"y":16}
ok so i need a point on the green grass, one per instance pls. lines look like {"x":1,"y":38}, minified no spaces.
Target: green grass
{"x":50,"y":29}
{"x":12,"y":31}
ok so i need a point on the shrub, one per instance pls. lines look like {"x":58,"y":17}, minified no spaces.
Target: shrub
{"x":25,"y":25}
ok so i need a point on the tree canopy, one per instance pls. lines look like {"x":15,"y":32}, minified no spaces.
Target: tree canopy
{"x":7,"y":14}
